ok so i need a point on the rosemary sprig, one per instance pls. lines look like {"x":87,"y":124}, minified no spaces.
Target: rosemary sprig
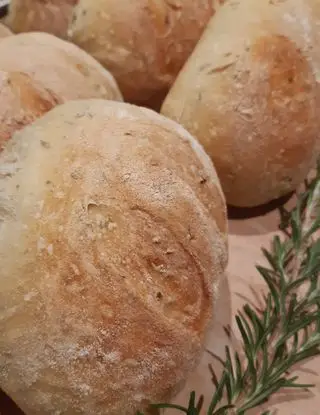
{"x":286,"y":331}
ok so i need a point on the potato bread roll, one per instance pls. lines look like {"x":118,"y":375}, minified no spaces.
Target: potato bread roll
{"x":249,"y":93}
{"x":112,"y":245}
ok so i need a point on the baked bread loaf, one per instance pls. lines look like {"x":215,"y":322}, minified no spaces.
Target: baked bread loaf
{"x":112,"y":244}
{"x":249,"y":93}
{"x":61,"y":67}
{"x":22,"y":101}
{"x":4,"y":31}
{"x":39,"y":71}
{"x":143,"y":43}
{"x":50,"y":16}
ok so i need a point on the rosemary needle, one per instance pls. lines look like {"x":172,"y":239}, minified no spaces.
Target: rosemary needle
{"x":286,"y":331}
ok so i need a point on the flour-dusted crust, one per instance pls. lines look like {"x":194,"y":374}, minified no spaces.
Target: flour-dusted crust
{"x":63,"y":68}
{"x":144,"y":43}
{"x":250,"y":94}
{"x":51,"y":16}
{"x":112,"y":245}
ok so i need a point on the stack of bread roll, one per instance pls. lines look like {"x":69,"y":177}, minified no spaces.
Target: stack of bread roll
{"x":113,"y":224}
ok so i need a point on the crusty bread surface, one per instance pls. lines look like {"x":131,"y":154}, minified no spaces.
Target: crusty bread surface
{"x":39,"y":71}
{"x":22,"y":101}
{"x":60,"y":66}
{"x":143,"y":43}
{"x":250,"y":94}
{"x":112,"y":245}
{"x":51,"y":16}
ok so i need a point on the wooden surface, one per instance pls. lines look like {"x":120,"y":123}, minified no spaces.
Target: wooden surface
{"x":241,"y":284}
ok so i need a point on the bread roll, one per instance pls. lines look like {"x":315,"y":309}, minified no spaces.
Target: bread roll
{"x":143,"y":43}
{"x":40,"y":71}
{"x":112,"y":244}
{"x":50,"y":16}
{"x":249,"y":93}
{"x":63,"y":68}
{"x":4,"y":31}
{"x":22,"y":101}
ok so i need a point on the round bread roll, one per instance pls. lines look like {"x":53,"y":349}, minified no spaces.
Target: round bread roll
{"x":40,"y":71}
{"x":50,"y":16}
{"x":143,"y":43}
{"x":249,"y":93}
{"x":61,"y":67}
{"x":112,"y":245}
{"x":22,"y":101}
{"x":4,"y":31}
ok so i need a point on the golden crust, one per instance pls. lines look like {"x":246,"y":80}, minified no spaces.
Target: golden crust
{"x":39,"y":71}
{"x":69,"y":72}
{"x":254,"y":100}
{"x":112,"y":245}
{"x":51,"y":16}
{"x":22,"y":101}
{"x":144,"y":43}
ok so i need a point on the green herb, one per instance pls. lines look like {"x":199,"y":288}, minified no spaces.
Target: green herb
{"x":286,"y":330}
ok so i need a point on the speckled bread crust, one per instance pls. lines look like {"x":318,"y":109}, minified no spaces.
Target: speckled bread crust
{"x":4,"y":31}
{"x":50,"y":16}
{"x":22,"y":101}
{"x":249,"y":94}
{"x":113,"y":241}
{"x":63,"y":68}
{"x":144,"y":43}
